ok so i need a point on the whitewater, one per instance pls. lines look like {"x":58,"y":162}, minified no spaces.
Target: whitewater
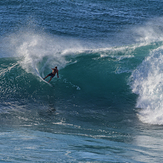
{"x":106,"y":105}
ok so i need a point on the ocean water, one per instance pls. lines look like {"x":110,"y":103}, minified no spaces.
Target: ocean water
{"x":106,"y":105}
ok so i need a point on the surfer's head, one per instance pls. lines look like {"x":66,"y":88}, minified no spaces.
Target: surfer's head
{"x":56,"y":67}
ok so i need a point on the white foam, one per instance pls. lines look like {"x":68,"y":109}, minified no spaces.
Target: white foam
{"x":148,"y":84}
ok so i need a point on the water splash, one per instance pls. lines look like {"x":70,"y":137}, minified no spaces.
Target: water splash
{"x":39,"y":51}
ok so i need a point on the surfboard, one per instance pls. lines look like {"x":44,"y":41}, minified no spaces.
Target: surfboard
{"x":46,"y":82}
{"x":43,"y":79}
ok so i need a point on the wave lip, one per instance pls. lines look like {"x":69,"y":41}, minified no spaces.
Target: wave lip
{"x":148,"y":84}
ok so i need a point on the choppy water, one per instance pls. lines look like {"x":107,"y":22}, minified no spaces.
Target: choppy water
{"x":106,"y":106}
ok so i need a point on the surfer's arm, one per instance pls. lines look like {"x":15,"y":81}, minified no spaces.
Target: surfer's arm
{"x":57,"y":74}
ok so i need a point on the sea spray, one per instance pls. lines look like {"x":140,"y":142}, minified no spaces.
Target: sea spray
{"x":151,"y":31}
{"x":38,"y":50}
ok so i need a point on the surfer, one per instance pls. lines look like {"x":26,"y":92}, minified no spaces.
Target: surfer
{"x":54,"y":71}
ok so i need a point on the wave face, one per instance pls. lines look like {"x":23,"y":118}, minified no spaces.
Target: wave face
{"x":85,"y":71}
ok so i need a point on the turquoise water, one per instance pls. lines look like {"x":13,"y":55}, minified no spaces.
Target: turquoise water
{"x":106,"y":106}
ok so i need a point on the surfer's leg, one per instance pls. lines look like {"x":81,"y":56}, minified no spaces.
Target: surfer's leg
{"x":46,"y":77}
{"x":50,"y":79}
